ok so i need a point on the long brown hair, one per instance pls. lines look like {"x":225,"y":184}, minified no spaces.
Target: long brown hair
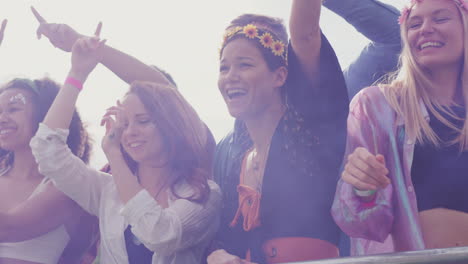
{"x":184,"y":137}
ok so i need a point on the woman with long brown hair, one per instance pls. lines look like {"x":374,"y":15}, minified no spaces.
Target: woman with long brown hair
{"x":159,"y":205}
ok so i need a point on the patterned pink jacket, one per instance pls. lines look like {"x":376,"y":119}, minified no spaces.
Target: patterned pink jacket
{"x":391,"y":221}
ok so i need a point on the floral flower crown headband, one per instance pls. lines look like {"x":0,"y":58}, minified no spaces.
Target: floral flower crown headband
{"x":463,"y":4}
{"x":267,"y":39}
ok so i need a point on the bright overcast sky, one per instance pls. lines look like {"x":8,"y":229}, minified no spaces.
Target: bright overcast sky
{"x":180,"y":36}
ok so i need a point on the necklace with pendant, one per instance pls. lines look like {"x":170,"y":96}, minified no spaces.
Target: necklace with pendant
{"x":135,"y":239}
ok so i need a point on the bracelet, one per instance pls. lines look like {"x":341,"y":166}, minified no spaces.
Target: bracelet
{"x":74,"y":82}
{"x":361,"y":193}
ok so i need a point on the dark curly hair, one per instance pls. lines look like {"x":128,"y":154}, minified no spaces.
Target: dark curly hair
{"x":44,"y":92}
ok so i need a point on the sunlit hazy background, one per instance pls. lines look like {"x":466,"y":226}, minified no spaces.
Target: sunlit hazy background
{"x":180,"y":36}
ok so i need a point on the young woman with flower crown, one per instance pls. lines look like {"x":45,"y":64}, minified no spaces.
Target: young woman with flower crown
{"x":404,"y":183}
{"x":278,"y":168}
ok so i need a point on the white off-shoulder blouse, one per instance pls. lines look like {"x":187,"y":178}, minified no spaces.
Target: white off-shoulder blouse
{"x":177,"y":234}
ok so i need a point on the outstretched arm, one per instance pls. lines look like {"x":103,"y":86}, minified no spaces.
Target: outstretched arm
{"x":305,"y":34}
{"x":129,"y":68}
{"x":2,"y":29}
{"x":316,"y":84}
{"x":126,"y":67}
{"x":83,"y":62}
{"x":375,"y":20}
{"x":379,"y":23}
{"x":49,"y":146}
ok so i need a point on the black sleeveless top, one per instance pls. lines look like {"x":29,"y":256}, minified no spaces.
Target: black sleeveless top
{"x":440,"y":175}
{"x":136,"y":251}
{"x":302,"y":167}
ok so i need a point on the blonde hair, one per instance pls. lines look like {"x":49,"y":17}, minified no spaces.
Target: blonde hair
{"x":410,"y":84}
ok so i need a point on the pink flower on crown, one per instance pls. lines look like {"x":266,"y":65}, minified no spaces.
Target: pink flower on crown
{"x":463,"y":4}
{"x":404,"y":15}
{"x":406,"y":10}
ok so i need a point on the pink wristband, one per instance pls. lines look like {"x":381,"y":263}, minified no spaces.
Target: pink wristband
{"x":72,"y":81}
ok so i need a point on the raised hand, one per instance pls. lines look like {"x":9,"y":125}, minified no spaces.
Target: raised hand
{"x":114,"y":120}
{"x":365,"y":171}
{"x":61,"y":36}
{"x":84,"y":58}
{"x":2,"y":30}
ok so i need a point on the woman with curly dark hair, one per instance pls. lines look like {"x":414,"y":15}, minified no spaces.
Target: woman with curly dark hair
{"x":37,"y":221}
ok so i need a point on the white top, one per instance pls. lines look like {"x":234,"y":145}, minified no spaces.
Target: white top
{"x":45,"y":249}
{"x":178,"y":234}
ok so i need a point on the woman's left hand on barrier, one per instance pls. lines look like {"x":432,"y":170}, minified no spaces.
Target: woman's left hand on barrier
{"x":2,"y":30}
{"x":115,"y":121}
{"x":220,"y":256}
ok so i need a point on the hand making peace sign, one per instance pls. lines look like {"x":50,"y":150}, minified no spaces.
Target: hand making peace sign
{"x":84,"y":58}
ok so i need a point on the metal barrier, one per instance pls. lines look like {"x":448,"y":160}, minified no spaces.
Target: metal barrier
{"x":430,"y":256}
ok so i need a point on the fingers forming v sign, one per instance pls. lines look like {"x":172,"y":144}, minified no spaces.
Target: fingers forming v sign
{"x":90,"y":44}
{"x":85,"y":54}
{"x":2,"y":30}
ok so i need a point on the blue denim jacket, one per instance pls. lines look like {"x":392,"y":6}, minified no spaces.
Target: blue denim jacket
{"x":379,"y":23}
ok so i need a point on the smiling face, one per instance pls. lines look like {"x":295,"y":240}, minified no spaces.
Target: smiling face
{"x":141,"y":138}
{"x":435,"y":34}
{"x":246,"y":83}
{"x":16,"y":119}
